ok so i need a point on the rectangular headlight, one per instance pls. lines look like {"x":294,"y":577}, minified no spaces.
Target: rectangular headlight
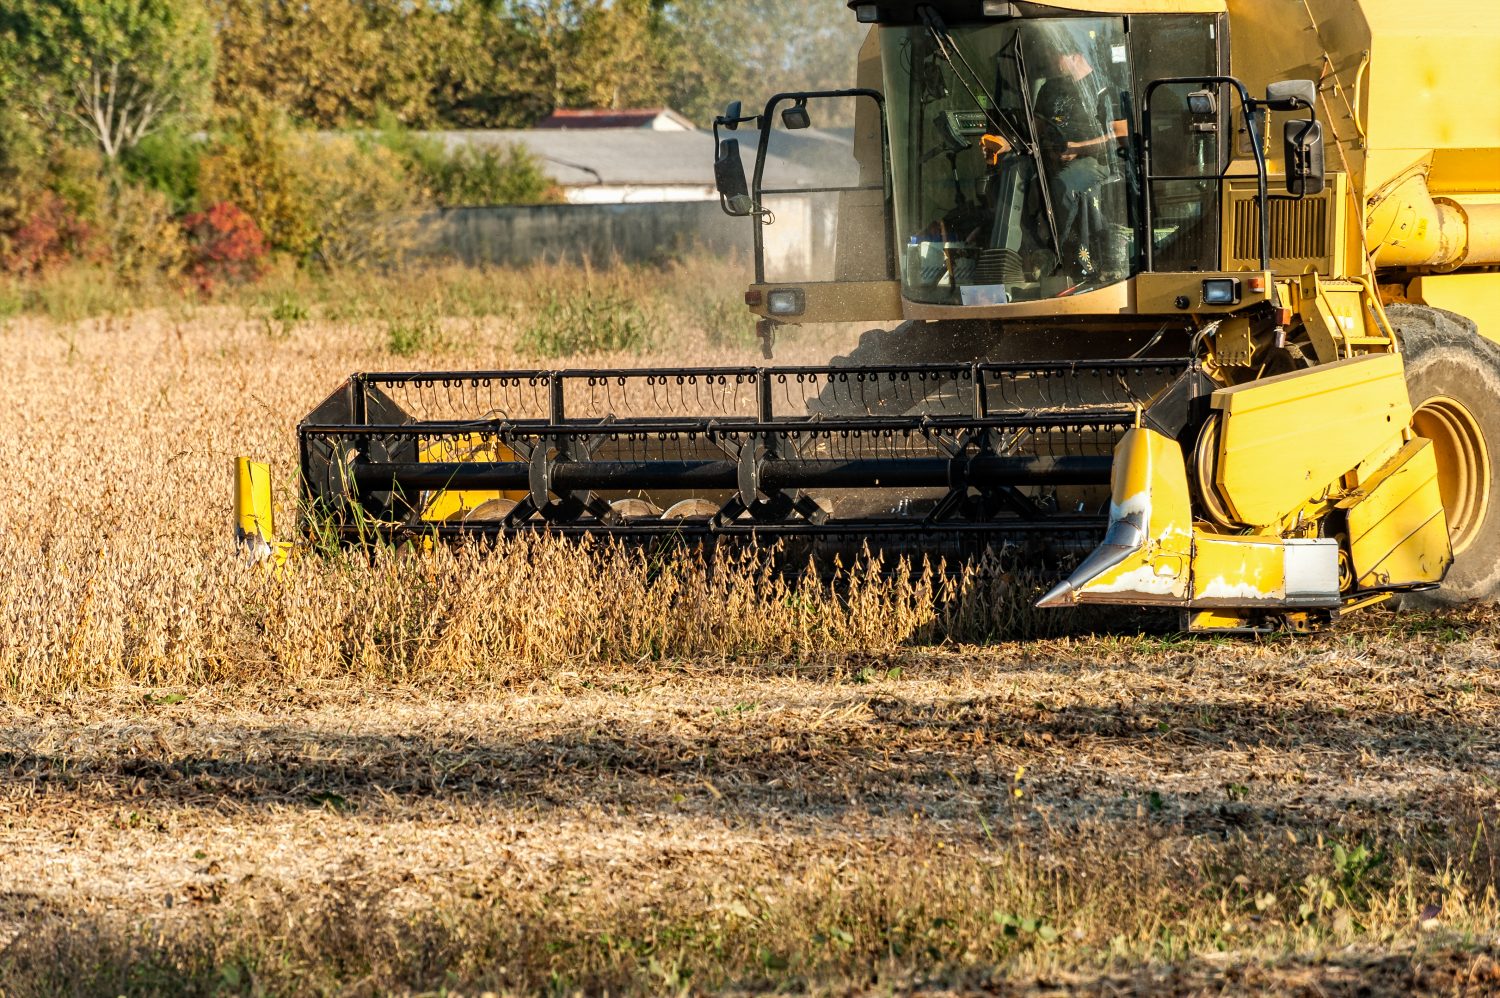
{"x":1221,"y":291}
{"x":786,"y":301}
{"x":866,"y":13}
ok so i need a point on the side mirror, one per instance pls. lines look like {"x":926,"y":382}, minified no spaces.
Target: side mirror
{"x":796,"y":116}
{"x":1305,"y":172}
{"x":730,"y":119}
{"x":729,"y":177}
{"x":1292,"y":95}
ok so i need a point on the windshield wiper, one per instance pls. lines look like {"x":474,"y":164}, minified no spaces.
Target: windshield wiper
{"x":984,"y":100}
{"x":1030,"y":144}
{"x":1036,"y":144}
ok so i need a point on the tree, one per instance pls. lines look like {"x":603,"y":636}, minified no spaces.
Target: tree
{"x":594,"y":53}
{"x":507,"y":63}
{"x":714,"y":51}
{"x":116,"y":70}
{"x":333,"y":63}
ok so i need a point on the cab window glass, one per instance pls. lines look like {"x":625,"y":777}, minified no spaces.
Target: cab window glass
{"x":1015,"y":153}
{"x":1186,"y":222}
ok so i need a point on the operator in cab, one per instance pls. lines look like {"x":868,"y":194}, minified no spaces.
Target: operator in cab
{"x":1080,"y":129}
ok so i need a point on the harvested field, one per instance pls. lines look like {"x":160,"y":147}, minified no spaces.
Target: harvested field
{"x":537,"y":769}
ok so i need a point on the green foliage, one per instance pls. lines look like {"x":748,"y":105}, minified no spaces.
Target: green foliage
{"x":411,"y":334}
{"x":100,"y":101}
{"x":316,"y":197}
{"x":336,"y":63}
{"x":75,"y":292}
{"x":167,"y":161}
{"x":53,"y":197}
{"x":12,"y":301}
{"x":470,"y":176}
{"x":592,"y":53}
{"x":250,"y":163}
{"x":22,"y":172}
{"x":111,"y":70}
{"x":285,"y":315}
{"x":590,"y":322}
{"x":352,"y":189}
{"x":465,"y":175}
{"x":138,"y":234}
{"x":726,"y":322}
{"x":506,"y":63}
{"x":77,"y":174}
{"x":714,"y":51}
{"x":1356,"y":878}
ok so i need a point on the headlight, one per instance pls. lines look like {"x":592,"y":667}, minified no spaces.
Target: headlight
{"x":1221,"y":291}
{"x":786,"y":301}
{"x":866,"y":13}
{"x":1203,"y":103}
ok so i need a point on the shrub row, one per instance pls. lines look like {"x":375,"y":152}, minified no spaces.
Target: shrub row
{"x":210,"y":208}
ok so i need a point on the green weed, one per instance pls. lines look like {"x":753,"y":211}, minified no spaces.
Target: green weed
{"x":285,"y":315}
{"x":412,"y":334}
{"x":590,"y":322}
{"x":726,"y":322}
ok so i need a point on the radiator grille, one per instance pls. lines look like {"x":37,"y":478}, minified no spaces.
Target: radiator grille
{"x":1300,"y":233}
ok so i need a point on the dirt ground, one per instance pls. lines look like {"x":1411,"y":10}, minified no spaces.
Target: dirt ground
{"x":726,"y":778}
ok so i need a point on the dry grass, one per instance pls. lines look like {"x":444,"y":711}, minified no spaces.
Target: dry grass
{"x":117,"y":568}
{"x":540,"y":769}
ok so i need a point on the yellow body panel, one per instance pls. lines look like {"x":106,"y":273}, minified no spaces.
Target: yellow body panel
{"x":838,"y":301}
{"x":1398,"y":534}
{"x":1158,"y":293}
{"x":1149,"y":480}
{"x":254,"y":519}
{"x":1341,"y":317}
{"x":1147,"y":554}
{"x":1406,"y":95}
{"x":1153,"y":555}
{"x":1287,"y":440}
{"x":254,"y":513}
{"x":1473,"y":296}
{"x":1236,"y":571}
{"x":454,"y":503}
{"x":1306,"y":235}
{"x":1432,"y":77}
{"x":1398,"y":80}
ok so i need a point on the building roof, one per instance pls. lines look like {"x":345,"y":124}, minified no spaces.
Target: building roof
{"x":642,"y":157}
{"x":658,"y":118}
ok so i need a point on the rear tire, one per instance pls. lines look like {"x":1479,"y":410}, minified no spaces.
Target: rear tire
{"x":1453,"y":375}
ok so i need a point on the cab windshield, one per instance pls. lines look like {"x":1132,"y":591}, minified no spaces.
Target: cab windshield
{"x":1014,"y":158}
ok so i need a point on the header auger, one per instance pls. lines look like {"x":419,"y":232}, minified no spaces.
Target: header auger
{"x":1189,"y":303}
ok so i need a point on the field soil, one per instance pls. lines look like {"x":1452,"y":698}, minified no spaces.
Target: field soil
{"x":469,"y":775}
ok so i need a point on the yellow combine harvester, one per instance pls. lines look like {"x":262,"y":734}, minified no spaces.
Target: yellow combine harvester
{"x":1190,"y":299}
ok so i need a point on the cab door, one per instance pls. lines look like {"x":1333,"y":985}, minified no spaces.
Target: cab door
{"x":822,"y":196}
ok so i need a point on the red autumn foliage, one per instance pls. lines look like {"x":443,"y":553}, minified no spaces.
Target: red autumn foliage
{"x":225,"y":246}
{"x":51,"y":234}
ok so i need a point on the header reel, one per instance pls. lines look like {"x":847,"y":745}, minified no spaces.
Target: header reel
{"x":936,"y":460}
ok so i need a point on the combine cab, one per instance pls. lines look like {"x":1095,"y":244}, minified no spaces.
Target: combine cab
{"x":1144,"y":336}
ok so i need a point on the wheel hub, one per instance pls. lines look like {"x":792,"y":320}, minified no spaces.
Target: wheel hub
{"x":1463,"y":465}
